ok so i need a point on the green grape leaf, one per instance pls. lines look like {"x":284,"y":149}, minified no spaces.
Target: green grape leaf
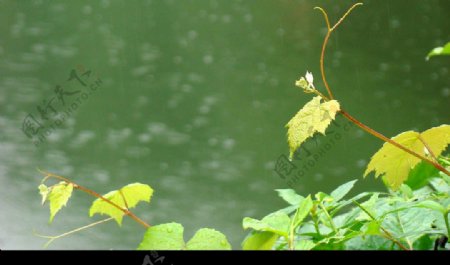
{"x":277,"y":223}
{"x":313,"y":117}
{"x":127,"y":197}
{"x":445,"y":50}
{"x":208,"y":239}
{"x":259,"y":241}
{"x":58,"y":197}
{"x":395,"y":164}
{"x":290,"y":196}
{"x":163,"y":237}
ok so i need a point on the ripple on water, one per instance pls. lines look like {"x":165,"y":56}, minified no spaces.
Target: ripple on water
{"x":82,"y":138}
{"x":116,"y":137}
{"x":445,"y":92}
{"x":101,"y":176}
{"x":162,"y":133}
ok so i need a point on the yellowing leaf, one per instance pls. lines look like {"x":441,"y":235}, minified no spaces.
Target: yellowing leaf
{"x":394,"y":164}
{"x":58,"y":196}
{"x":313,"y":117}
{"x":127,"y":197}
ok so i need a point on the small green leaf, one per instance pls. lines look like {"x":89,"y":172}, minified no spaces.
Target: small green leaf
{"x":290,"y":196}
{"x":58,"y":197}
{"x":127,"y":197}
{"x":259,"y":241}
{"x":432,"y":205}
{"x":163,"y":237}
{"x":313,"y":117}
{"x":445,"y":50}
{"x":208,"y":239}
{"x":304,"y":245}
{"x":303,"y":210}
{"x":342,"y":203}
{"x":44,"y":191}
{"x":323,"y":197}
{"x":277,"y":223}
{"x":342,"y":190}
{"x":373,"y":228}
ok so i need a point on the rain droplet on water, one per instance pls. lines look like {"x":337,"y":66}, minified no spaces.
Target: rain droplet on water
{"x":208,"y":59}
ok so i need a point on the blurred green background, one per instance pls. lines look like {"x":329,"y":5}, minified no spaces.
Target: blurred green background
{"x":194,"y":99}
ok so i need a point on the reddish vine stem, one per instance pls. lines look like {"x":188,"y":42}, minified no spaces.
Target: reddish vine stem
{"x":327,"y":36}
{"x":386,"y":139}
{"x":95,"y":194}
{"x":346,"y":114}
{"x":322,"y":70}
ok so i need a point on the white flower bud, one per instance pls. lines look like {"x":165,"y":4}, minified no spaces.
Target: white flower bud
{"x":309,"y":78}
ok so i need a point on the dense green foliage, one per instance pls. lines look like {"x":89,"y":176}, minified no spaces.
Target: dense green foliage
{"x":410,"y":218}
